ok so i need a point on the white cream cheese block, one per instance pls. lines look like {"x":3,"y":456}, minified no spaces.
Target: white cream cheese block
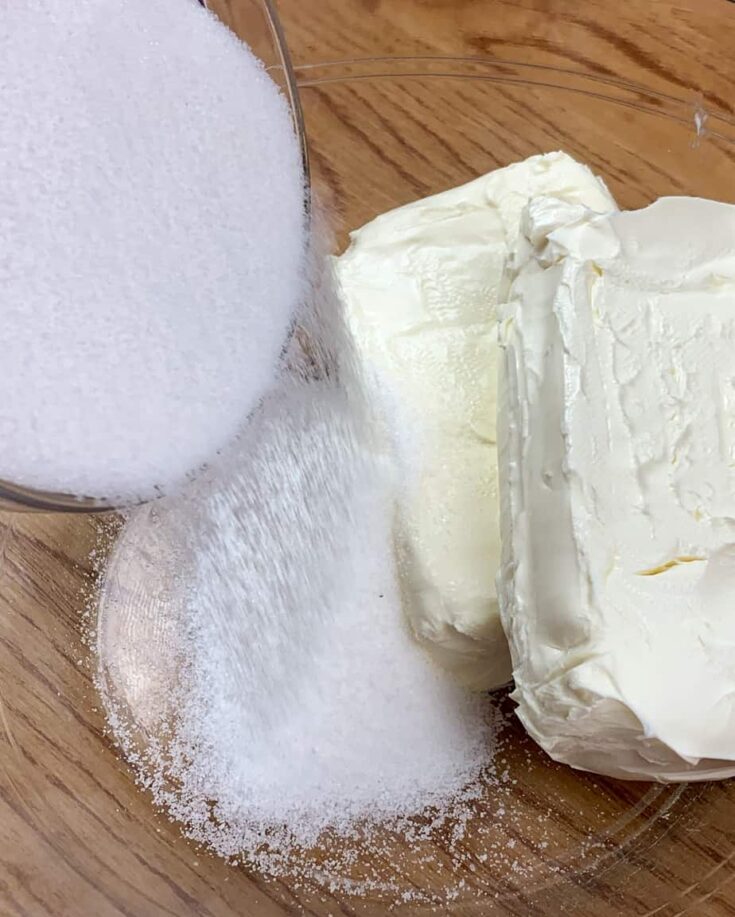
{"x":617,"y":454}
{"x":420,"y":287}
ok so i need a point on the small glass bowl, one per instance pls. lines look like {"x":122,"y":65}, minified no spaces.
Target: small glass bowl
{"x":257,"y":23}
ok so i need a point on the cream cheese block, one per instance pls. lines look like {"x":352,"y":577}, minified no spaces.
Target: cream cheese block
{"x":617,"y":455}
{"x":420,"y":286}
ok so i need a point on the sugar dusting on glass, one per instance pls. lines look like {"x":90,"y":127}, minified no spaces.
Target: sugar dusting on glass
{"x":254,"y":660}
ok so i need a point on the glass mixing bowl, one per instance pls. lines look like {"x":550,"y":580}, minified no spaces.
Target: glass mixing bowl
{"x":78,"y":838}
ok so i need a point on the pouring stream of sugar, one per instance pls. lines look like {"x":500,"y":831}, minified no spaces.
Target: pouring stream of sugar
{"x":152,"y":231}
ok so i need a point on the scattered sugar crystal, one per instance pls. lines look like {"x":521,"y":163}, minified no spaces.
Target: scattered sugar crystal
{"x":255,"y":665}
{"x":302,"y":703}
{"x":151,"y":241}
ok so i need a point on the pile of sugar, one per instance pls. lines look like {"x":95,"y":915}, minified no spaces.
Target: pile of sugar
{"x":151,"y":241}
{"x":255,"y":662}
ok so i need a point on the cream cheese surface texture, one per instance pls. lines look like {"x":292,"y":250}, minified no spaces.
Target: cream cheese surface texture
{"x":421,"y":286}
{"x":617,"y":429}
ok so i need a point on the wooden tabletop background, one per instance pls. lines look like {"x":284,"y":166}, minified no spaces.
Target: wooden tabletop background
{"x":77,"y":838}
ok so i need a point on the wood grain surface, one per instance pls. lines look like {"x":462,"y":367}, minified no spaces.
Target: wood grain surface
{"x":497,"y":80}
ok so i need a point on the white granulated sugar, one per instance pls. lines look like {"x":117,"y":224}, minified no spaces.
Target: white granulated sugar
{"x":308,"y":549}
{"x":151,"y":241}
{"x":301,"y":702}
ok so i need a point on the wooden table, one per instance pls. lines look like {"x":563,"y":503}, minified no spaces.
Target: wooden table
{"x":77,"y":839}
